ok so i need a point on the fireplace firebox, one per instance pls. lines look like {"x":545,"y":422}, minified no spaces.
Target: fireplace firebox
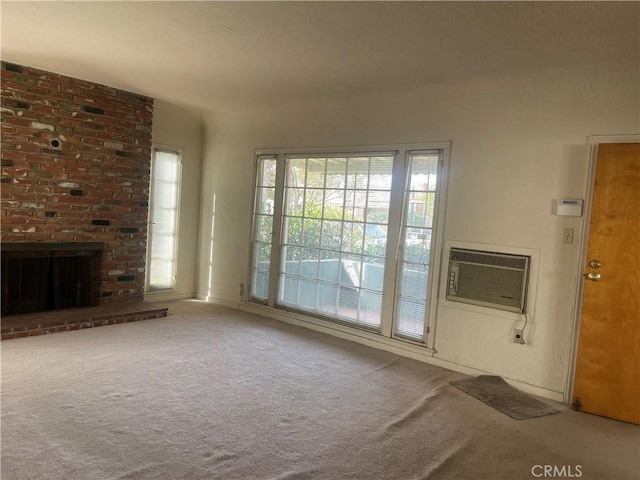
{"x":37,"y":277}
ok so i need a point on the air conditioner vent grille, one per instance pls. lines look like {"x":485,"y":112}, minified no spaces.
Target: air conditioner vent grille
{"x":496,"y":280}
{"x":489,"y":258}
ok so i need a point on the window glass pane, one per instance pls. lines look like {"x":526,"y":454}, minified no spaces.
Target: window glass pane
{"x":380,"y":174}
{"x":335,"y":235}
{"x":377,"y":210}
{"x":412,"y":281}
{"x":295,"y":201}
{"x":293,"y":231}
{"x":165,"y":167}
{"x":423,"y":172}
{"x":311,"y":232}
{"x":375,"y":241}
{"x":267,"y":172}
{"x":410,"y":318}
{"x":164,"y":194}
{"x":333,"y":204}
{"x":352,"y":237}
{"x":331,"y":235}
{"x":163,"y":209}
{"x":359,"y":206}
{"x":296,"y":172}
{"x":358,"y":173}
{"x":263,"y":226}
{"x":336,"y":172}
{"x":260,"y":287}
{"x":266,"y":199}
{"x":339,"y":272}
{"x":292,"y":256}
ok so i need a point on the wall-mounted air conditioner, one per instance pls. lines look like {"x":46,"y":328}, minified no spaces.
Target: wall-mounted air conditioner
{"x":489,"y":279}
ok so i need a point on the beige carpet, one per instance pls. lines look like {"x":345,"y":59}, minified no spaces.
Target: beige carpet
{"x":213,"y":393}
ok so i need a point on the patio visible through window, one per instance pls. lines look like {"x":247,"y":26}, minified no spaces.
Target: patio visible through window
{"x":336,"y":214}
{"x":336,"y":236}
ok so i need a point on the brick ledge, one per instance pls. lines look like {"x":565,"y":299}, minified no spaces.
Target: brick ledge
{"x":18,"y":326}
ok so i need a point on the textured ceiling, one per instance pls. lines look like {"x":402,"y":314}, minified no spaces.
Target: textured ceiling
{"x":207,"y":53}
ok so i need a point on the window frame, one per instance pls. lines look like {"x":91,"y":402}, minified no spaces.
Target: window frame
{"x":400,"y":170}
{"x":178,"y":151}
{"x":436,"y":242}
{"x":360,"y":321}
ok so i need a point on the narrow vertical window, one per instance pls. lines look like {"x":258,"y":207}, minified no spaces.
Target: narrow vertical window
{"x":263,"y":226}
{"x":416,"y":246}
{"x":163,"y":219}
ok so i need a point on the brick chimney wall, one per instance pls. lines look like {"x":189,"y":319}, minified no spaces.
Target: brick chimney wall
{"x":76,"y":158}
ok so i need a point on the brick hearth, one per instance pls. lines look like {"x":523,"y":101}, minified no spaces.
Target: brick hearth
{"x":42,"y":323}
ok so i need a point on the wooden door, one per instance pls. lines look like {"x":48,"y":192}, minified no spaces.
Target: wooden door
{"x":607,"y":376}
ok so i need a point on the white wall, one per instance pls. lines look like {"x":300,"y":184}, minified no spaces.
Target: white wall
{"x":178,"y":127}
{"x":518,"y":142}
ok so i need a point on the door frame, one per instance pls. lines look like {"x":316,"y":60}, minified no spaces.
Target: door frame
{"x":592,"y":149}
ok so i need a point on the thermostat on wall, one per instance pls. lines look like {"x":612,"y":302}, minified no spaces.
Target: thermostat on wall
{"x":571,"y":207}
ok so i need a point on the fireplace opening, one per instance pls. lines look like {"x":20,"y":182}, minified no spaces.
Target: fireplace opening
{"x":41,"y":276}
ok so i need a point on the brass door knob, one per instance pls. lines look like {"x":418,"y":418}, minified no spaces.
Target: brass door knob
{"x":594,"y":277}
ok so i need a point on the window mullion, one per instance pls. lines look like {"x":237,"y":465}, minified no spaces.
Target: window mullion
{"x":277,"y":230}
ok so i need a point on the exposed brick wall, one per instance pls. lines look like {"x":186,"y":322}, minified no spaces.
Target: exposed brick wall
{"x":75,"y":167}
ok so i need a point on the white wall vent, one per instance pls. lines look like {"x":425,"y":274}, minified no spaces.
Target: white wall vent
{"x":489,"y":279}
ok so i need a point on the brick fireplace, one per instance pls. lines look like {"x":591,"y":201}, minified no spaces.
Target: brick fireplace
{"x":75,"y":169}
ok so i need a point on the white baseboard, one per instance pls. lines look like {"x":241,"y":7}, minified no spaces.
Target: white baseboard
{"x":391,"y":345}
{"x":167,"y":296}
{"x":217,"y":301}
{"x":525,"y":387}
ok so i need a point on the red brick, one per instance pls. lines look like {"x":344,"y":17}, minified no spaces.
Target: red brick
{"x":27,"y":148}
{"x":83,"y":158}
{"x":8,"y":85}
{"x":91,"y":141}
{"x":62,"y":236}
{"x":37,"y":90}
{"x":49,"y":85}
{"x":15,"y":172}
{"x":24,"y":131}
{"x":71,"y":122}
{"x":13,"y":237}
{"x":13,"y":155}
